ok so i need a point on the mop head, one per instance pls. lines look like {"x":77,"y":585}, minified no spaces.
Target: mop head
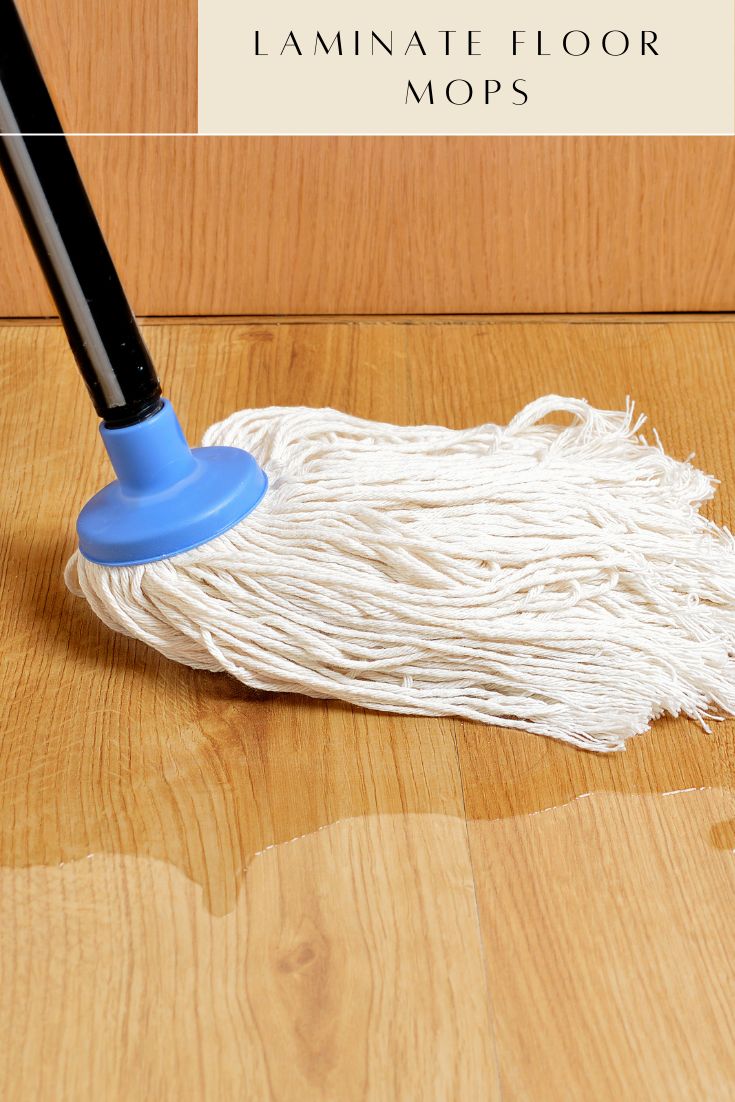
{"x":558,"y":579}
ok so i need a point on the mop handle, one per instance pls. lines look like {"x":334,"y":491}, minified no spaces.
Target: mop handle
{"x":58,"y":217}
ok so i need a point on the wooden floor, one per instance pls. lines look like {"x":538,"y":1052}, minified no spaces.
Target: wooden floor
{"x":206,"y":894}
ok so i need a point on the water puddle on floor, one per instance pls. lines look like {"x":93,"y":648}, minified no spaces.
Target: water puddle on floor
{"x":603,"y":925}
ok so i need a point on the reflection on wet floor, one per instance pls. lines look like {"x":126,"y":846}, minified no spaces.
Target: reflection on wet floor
{"x":209,"y":803}
{"x":349,"y":966}
{"x":227,"y":773}
{"x":605,"y":923}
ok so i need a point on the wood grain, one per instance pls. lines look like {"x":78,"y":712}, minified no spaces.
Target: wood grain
{"x":403,"y":225}
{"x":121,"y":68}
{"x":207,"y":893}
{"x":360,"y":225}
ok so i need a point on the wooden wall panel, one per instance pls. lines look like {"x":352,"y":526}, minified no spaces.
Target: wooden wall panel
{"x":362,"y":225}
{"x":405,"y":225}
{"x":129,"y":66}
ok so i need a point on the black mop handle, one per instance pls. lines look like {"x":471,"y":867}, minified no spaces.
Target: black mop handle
{"x":50,"y":195}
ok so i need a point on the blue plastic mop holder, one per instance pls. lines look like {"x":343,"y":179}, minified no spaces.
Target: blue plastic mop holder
{"x":168,"y":498}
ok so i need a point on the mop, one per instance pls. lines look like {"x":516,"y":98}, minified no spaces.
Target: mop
{"x":555,"y":578}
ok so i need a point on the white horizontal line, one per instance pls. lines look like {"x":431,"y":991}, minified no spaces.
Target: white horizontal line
{"x":376,"y":134}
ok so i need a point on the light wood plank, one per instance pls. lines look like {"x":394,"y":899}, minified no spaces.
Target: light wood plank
{"x":320,"y":980}
{"x":609,"y":939}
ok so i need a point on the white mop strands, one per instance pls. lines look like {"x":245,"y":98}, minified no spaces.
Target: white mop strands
{"x":555,"y":579}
